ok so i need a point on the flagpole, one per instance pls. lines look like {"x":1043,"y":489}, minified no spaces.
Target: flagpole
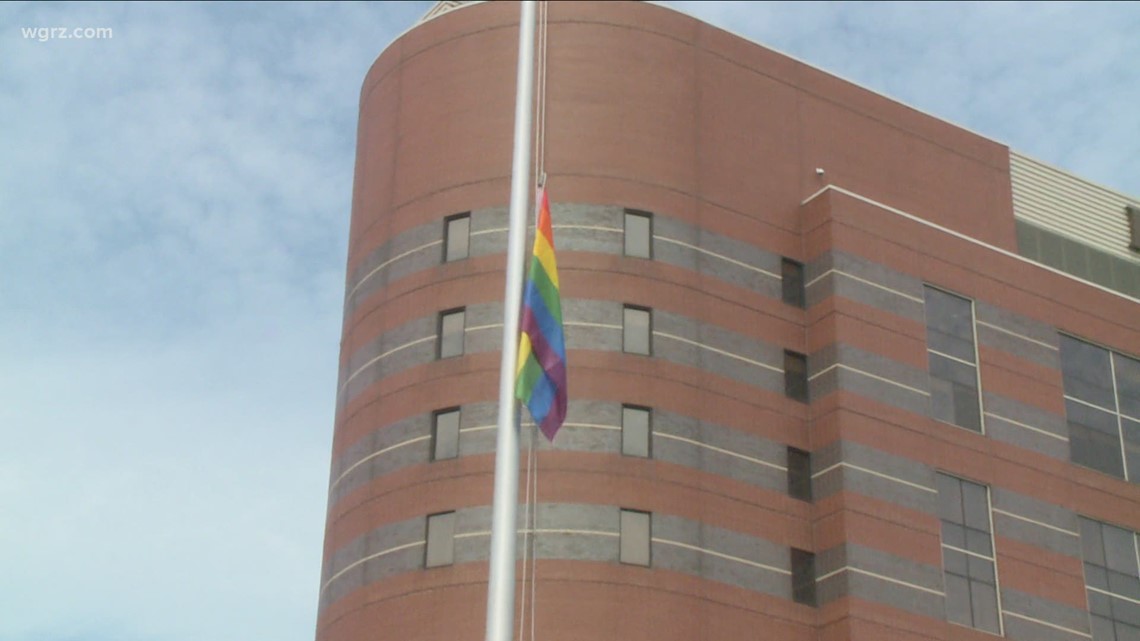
{"x":504,"y":511}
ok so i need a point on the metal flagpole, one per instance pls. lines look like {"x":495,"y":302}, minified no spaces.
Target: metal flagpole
{"x":501,"y":585}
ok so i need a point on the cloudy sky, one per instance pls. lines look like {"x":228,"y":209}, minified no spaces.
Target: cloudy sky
{"x":173,"y":221}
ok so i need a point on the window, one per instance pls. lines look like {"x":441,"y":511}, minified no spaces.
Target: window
{"x":803,"y":577}
{"x":1112,"y":581}
{"x":445,"y":434}
{"x":1102,"y":404}
{"x":451,"y":333}
{"x":799,"y":474}
{"x":440,"y":548}
{"x":795,"y":376}
{"x":638,"y":233}
{"x":635,"y":531}
{"x":636,"y":329}
{"x":635,"y":431}
{"x":1133,"y":227}
{"x":792,"y":277}
{"x":456,"y":236}
{"x":953,"y":358}
{"x":968,"y":554}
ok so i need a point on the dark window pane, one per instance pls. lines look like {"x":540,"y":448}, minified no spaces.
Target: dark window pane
{"x":445,"y":434}
{"x":1125,"y":612}
{"x":1125,"y":632}
{"x":1092,"y":542}
{"x":949,"y":499}
{"x":953,"y":371}
{"x":440,"y":540}
{"x":981,"y":570}
{"x":1133,"y":214}
{"x":958,"y":600}
{"x":635,"y":330}
{"x":635,"y":431}
{"x":638,"y":234}
{"x":1095,"y":449}
{"x":634,"y":537}
{"x":1096,"y":576}
{"x":457,"y":234}
{"x":983,"y":598}
{"x":1124,"y":584}
{"x":1102,"y":629}
{"x":1100,"y":603}
{"x":1119,"y":549}
{"x":979,"y":542}
{"x":1128,"y":385}
{"x":949,"y":314}
{"x":976,"y":505}
{"x":953,"y":534}
{"x":803,"y":577}
{"x":955,"y":562}
{"x":451,"y":334}
{"x":799,"y":474}
{"x":1131,"y":447}
{"x":1085,"y":372}
{"x":792,"y":274}
{"x":953,"y":402}
{"x":795,"y":376}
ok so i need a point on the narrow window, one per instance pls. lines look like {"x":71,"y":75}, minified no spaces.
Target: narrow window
{"x":635,"y":531}
{"x":635,"y":431}
{"x":792,"y":273}
{"x":795,"y":376}
{"x":445,"y":434}
{"x":440,"y":549}
{"x":954,"y":390}
{"x":968,"y":554}
{"x":803,"y":577}
{"x":636,"y":329}
{"x":1112,"y":580}
{"x":451,"y":333}
{"x":456,"y":237}
{"x":799,"y":474}
{"x":638,"y":233}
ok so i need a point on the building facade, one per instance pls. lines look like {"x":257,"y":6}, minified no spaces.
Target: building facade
{"x":838,"y":369}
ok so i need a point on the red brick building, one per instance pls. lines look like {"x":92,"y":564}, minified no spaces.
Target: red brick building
{"x":838,"y":369}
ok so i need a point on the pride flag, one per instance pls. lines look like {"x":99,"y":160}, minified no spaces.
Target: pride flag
{"x":541,"y":375}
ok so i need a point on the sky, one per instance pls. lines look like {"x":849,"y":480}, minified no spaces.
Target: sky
{"x":174,"y":206}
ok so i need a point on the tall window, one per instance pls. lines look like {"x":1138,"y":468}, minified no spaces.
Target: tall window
{"x":953,"y":360}
{"x":1102,"y":402}
{"x":792,"y":279}
{"x":968,"y":554}
{"x":638,"y":233}
{"x":795,"y":376}
{"x":451,"y":333}
{"x":1112,"y":581}
{"x":635,"y":431}
{"x":440,"y":548}
{"x":456,"y":236}
{"x":799,"y":474}
{"x":445,"y":434}
{"x":803,"y":577}
{"x":636,"y":330}
{"x":635,"y":534}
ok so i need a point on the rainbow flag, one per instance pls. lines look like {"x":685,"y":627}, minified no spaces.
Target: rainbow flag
{"x":541,"y":373}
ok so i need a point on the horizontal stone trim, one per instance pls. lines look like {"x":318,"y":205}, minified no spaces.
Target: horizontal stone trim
{"x":846,"y":466}
{"x":1025,"y":426}
{"x":843,"y":367}
{"x":562,"y":531}
{"x":1035,"y":522}
{"x":1031,"y":617}
{"x":873,"y":575}
{"x":578,"y":227}
{"x":853,"y":277}
{"x":591,"y":426}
